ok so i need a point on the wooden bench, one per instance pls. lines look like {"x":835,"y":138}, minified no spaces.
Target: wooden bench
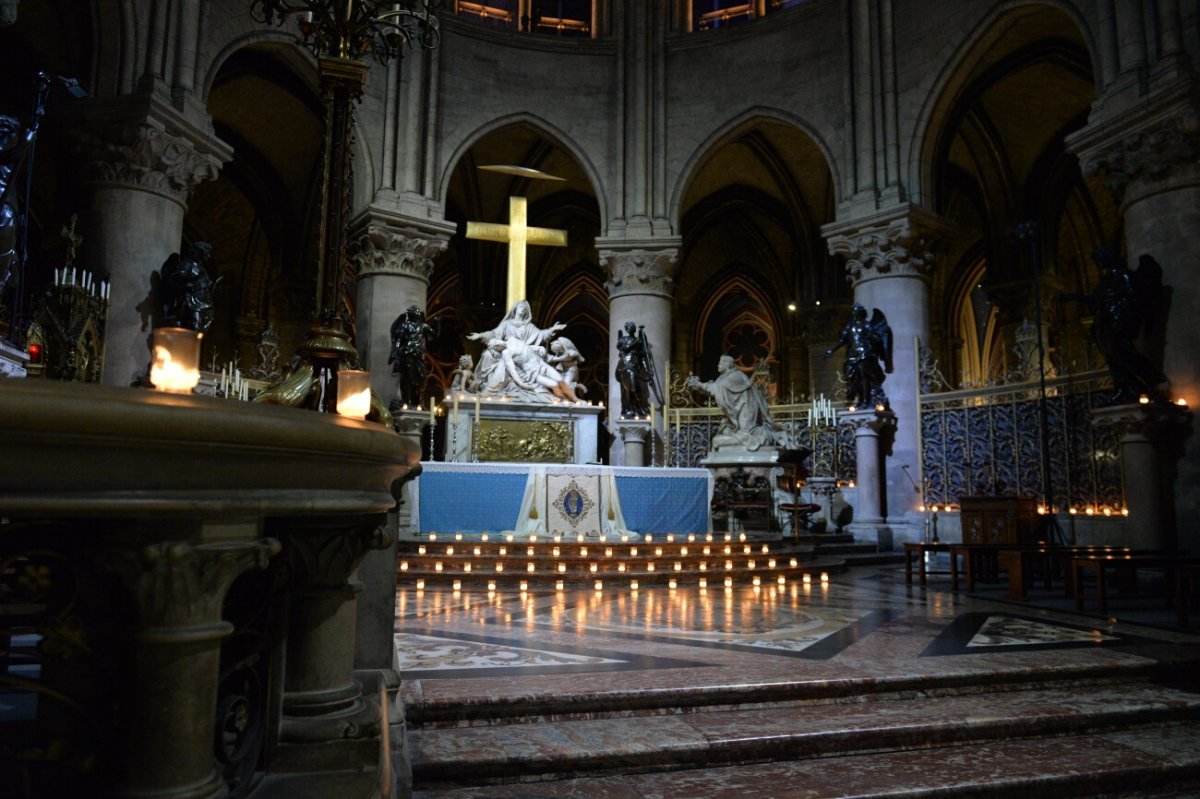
{"x":1126,"y":567}
{"x":1020,"y":561}
{"x":919,"y":548}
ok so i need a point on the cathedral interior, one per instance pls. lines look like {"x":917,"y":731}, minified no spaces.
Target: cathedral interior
{"x":204,"y":597}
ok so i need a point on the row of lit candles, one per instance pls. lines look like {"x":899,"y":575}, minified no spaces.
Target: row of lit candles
{"x":595,"y":567}
{"x":580,"y":537}
{"x":560,"y":585}
{"x":608,"y":551}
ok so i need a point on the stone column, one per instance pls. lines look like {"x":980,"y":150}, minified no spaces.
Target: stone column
{"x":888,"y":258}
{"x":179,"y":589}
{"x":140,"y":170}
{"x":634,"y":436}
{"x":394,"y":257}
{"x":1148,"y":152}
{"x":1151,"y":438}
{"x":640,"y":285}
{"x":874,"y":432}
{"x":322,"y":702}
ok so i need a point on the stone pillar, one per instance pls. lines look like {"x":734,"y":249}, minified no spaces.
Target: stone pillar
{"x":179,"y":589}
{"x":640,"y":285}
{"x":322,"y":702}
{"x":140,"y":170}
{"x":888,"y":257}
{"x":1148,"y":153}
{"x":1151,"y":439}
{"x":634,"y":436}
{"x":394,"y":257}
{"x":874,"y":432}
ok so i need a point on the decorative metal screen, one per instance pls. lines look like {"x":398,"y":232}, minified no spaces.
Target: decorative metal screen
{"x":987,"y":442}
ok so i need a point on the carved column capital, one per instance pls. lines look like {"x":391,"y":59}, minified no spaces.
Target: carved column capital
{"x":386,"y":249}
{"x":869,"y":422}
{"x":179,"y":585}
{"x":1146,"y":147}
{"x":327,"y":554}
{"x":151,"y":151}
{"x":640,"y":271}
{"x":900,"y":241}
{"x":1152,"y":422}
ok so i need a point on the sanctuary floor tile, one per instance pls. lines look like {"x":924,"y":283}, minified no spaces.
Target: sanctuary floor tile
{"x":746,"y":645}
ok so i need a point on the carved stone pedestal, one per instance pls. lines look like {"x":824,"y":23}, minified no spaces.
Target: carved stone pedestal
{"x":322,"y":702}
{"x":873,"y":432}
{"x":634,"y":435}
{"x":1151,"y":439}
{"x":179,"y":589}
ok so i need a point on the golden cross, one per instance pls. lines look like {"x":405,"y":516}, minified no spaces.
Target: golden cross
{"x":517,"y":234}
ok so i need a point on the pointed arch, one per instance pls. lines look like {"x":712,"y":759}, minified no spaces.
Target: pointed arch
{"x":958,"y":71}
{"x":552,"y":132}
{"x":730,"y":130}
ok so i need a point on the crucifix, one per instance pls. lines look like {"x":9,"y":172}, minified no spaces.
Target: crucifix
{"x":517,"y":233}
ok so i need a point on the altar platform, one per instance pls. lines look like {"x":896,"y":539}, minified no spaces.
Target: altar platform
{"x":593,"y":500}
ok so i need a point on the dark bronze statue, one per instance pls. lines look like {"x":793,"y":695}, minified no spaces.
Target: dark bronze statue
{"x":186,"y":290}
{"x":633,"y":372}
{"x":407,"y":356}
{"x":868,"y":355}
{"x":14,"y":143}
{"x":1126,"y":304}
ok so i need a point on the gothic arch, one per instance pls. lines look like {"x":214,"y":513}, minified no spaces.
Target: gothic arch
{"x":958,"y":71}
{"x":553,"y":133}
{"x":729,"y":131}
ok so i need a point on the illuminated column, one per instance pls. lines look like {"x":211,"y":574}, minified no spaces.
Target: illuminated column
{"x":874,"y":432}
{"x":1147,"y":151}
{"x":141,"y":171}
{"x":640,"y":285}
{"x":394,"y":258}
{"x":888,"y":258}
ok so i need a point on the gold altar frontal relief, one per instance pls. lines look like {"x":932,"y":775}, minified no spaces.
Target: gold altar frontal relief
{"x":572,"y":503}
{"x":510,"y":440}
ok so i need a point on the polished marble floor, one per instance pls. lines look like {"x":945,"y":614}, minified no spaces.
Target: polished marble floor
{"x":862,"y":624}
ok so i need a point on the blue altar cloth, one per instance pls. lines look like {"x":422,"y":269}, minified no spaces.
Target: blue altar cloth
{"x":486,"y":497}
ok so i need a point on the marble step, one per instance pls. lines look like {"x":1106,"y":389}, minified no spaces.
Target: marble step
{"x":1151,"y":761}
{"x":853,"y":548}
{"x":494,"y":707}
{"x":565,"y":749}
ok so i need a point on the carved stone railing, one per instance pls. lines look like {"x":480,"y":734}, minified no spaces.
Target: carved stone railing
{"x":162,"y":551}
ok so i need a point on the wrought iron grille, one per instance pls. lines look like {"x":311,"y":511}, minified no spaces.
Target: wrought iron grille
{"x":987,"y":442}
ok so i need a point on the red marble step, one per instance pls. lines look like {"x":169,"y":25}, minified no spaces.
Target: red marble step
{"x":632,"y":745}
{"x":1160,"y":760}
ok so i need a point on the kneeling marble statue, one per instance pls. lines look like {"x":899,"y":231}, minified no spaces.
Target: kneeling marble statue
{"x":748,"y":421}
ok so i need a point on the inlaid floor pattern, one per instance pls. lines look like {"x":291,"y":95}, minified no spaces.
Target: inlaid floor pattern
{"x":851,"y":688}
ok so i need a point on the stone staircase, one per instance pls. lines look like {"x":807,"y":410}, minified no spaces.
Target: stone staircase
{"x":1053,"y":732}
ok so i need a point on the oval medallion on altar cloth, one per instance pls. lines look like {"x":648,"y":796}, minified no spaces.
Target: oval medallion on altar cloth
{"x":574,"y":503}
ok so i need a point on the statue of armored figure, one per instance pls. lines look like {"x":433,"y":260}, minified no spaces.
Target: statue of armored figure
{"x":1126,"y":304}
{"x":410,"y":333}
{"x":868,"y":356}
{"x":516,"y":363}
{"x":186,"y":290}
{"x":14,"y":143}
{"x":748,"y":422}
{"x":633,"y":372}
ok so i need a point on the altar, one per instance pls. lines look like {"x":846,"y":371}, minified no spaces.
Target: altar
{"x":561,"y":499}
{"x":495,"y":430}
